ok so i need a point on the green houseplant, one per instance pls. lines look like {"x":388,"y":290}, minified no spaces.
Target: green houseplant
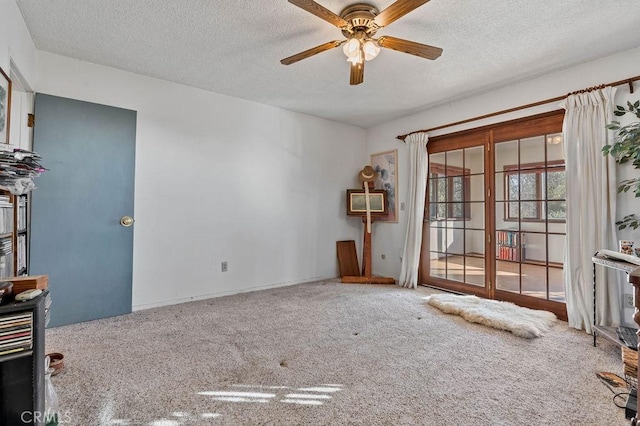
{"x":626,"y":148}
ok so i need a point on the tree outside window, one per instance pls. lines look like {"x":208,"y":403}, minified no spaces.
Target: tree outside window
{"x":536,"y":192}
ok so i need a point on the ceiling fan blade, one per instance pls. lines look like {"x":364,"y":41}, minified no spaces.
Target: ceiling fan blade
{"x":410,"y":47}
{"x":321,"y":12}
{"x":357,"y":73}
{"x":396,"y":10}
{"x":313,"y":51}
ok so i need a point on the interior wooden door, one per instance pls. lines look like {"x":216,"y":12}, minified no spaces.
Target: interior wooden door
{"x":76,"y":235}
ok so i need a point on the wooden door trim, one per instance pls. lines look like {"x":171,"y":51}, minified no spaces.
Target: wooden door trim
{"x":558,"y":308}
{"x":455,"y":286}
{"x":546,"y":121}
{"x":490,"y":217}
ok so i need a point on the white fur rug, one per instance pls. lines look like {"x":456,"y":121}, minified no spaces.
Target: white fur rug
{"x":520,"y":321}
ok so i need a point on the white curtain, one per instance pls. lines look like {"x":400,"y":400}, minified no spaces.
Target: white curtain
{"x":418,"y":166}
{"x":591,"y":208}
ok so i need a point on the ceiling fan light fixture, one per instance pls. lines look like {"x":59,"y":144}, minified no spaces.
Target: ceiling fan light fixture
{"x":351,"y":48}
{"x":359,"y":23}
{"x":370,"y":49}
{"x":358,"y":58}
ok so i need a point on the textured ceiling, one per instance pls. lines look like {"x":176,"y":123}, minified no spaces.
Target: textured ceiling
{"x":234,"y":47}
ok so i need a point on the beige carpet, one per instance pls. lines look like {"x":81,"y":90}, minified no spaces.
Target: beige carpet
{"x":326,"y":354}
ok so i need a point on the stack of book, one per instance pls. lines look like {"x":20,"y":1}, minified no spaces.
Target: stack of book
{"x":21,"y":254}
{"x":18,"y":167}
{"x":16,"y":332}
{"x":6,"y":257}
{"x":6,"y":214}
{"x":22,"y":212}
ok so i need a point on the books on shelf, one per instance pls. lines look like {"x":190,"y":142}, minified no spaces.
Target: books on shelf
{"x":510,"y":245}
{"x":6,"y":214}
{"x":509,"y":253}
{"x":6,"y":257}
{"x":21,"y":254}
{"x":16,"y":332}
{"x":509,"y":238}
{"x":22,"y":213}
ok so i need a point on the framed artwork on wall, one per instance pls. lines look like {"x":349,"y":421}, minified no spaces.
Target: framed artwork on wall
{"x":386,"y":165}
{"x":5,"y":106}
{"x":356,"y":202}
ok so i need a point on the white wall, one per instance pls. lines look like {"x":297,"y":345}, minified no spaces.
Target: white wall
{"x":15,"y":41}
{"x":17,"y":55}
{"x":389,"y":238}
{"x":217,"y":178}
{"x":222,"y":179}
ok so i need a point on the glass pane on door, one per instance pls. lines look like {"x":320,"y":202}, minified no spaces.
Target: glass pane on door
{"x":456,"y":215}
{"x":534,"y":271}
{"x":474,"y":271}
{"x":556,"y":263}
{"x":530,"y":214}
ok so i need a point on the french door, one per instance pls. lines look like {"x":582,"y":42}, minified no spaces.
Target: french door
{"x":495,"y":213}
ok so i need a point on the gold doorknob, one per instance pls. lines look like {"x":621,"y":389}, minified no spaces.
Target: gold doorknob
{"x":126,"y":221}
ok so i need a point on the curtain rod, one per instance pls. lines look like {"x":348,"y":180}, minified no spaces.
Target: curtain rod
{"x":628,"y":81}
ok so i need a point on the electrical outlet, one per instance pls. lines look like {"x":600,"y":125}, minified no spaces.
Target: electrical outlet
{"x":628,"y":301}
{"x":402,"y":206}
{"x":224,"y":267}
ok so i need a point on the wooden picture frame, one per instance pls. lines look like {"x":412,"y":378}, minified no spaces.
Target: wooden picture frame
{"x":356,"y":202}
{"x":5,"y":106}
{"x":386,"y":165}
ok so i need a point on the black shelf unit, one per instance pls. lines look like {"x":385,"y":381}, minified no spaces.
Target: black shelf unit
{"x":22,"y":373}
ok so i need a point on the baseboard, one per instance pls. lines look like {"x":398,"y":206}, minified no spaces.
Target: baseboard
{"x":226,"y":293}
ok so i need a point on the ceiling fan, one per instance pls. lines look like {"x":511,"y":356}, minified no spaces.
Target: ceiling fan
{"x":359,"y":23}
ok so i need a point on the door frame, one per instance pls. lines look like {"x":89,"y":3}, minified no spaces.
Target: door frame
{"x":546,"y":123}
